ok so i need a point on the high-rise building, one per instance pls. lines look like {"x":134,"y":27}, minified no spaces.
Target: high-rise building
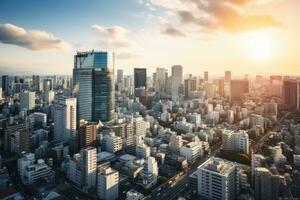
{"x":140,"y":77}
{"x":176,"y":80}
{"x":238,"y":88}
{"x":291,"y":93}
{"x":113,"y":143}
{"x":266,"y":184}
{"x":93,"y":85}
{"x":149,"y":173}
{"x":175,"y":143}
{"x":47,"y":84}
{"x":5,"y":85}
{"x":36,"y":83}
{"x":108,"y":183}
{"x":206,"y":76}
{"x":82,"y":168}
{"x":161,"y":79}
{"x":120,"y":80}
{"x":87,"y":133}
{"x":119,"y":75}
{"x":89,"y":163}
{"x":17,"y":138}
{"x":235,"y":141}
{"x":64,"y":119}
{"x":217,"y":179}
{"x":27,"y":100}
{"x":49,"y":97}
{"x":227,"y":76}
{"x":221,"y":87}
{"x":190,"y":85}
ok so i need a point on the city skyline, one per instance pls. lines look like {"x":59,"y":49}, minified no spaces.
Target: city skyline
{"x":45,"y":36}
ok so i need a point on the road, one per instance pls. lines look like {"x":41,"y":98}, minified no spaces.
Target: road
{"x":167,"y":192}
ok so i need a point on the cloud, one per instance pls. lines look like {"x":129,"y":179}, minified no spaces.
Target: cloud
{"x":213,"y":15}
{"x":228,"y":15}
{"x":171,"y":31}
{"x":31,"y":39}
{"x":113,"y":37}
{"x":117,"y":39}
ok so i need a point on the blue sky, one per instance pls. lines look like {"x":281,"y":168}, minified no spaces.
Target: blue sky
{"x":42,"y":36}
{"x":70,"y":19}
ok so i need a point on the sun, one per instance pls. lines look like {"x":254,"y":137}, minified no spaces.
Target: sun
{"x":258,"y":46}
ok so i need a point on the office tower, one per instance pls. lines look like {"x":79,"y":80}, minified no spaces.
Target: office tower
{"x":176,"y":80}
{"x":27,"y":100}
{"x":119,"y":75}
{"x":217,"y":179}
{"x":89,"y":162}
{"x":221,"y":87}
{"x":17,"y":138}
{"x":47,"y":84}
{"x":291,"y":92}
{"x":266,"y":184}
{"x":140,"y":77}
{"x":235,"y":141}
{"x":205,"y":76}
{"x":36,"y":83}
{"x":120,"y":79}
{"x":1,"y":97}
{"x":108,"y":183}
{"x":6,"y":85}
{"x":149,"y":173}
{"x":227,"y":76}
{"x":190,"y":85}
{"x":161,"y":79}
{"x":93,"y":85}
{"x":49,"y":97}
{"x":64,"y":119}
{"x":238,"y":88}
{"x":87,"y":133}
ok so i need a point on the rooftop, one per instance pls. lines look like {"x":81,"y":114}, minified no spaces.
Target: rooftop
{"x":217,"y":165}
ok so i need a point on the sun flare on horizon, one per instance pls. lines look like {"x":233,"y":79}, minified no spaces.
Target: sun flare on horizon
{"x":259,"y":46}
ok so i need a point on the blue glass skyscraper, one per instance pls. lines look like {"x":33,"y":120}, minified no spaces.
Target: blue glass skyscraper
{"x":93,"y":85}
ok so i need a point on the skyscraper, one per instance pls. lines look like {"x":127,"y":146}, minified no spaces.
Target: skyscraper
{"x":5,"y":84}
{"x":161,"y":79}
{"x":140,"y":77}
{"x":227,"y":76}
{"x":27,"y":100}
{"x":206,"y":76}
{"x":64,"y":119}
{"x":93,"y":85}
{"x":238,"y":88}
{"x":176,"y":80}
{"x":291,"y":94}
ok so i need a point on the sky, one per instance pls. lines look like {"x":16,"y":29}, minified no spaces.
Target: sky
{"x":244,"y":36}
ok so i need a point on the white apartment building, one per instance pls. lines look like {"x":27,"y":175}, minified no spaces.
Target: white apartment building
{"x":108,"y":184}
{"x":235,"y":141}
{"x":217,"y":179}
{"x":191,"y":151}
{"x":64,"y":119}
